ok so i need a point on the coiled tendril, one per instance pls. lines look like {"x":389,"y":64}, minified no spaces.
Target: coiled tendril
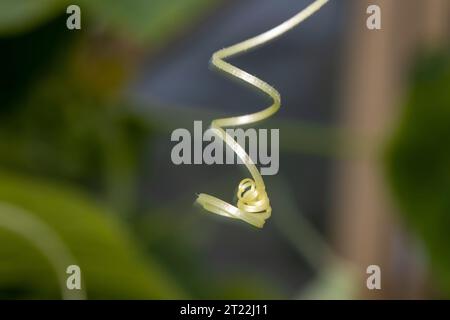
{"x":253,"y":205}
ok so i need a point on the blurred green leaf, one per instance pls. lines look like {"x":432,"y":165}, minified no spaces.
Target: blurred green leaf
{"x":418,"y":161}
{"x":141,"y":20}
{"x":22,"y":15}
{"x":111,"y":263}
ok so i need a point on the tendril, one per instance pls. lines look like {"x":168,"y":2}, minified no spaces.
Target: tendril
{"x":253,"y":205}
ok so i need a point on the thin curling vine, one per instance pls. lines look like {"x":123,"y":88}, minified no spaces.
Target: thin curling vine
{"x":253,"y":205}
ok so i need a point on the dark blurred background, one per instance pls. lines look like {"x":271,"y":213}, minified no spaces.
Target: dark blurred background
{"x":86,"y":176}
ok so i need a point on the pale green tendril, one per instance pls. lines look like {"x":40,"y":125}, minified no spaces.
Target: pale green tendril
{"x":253,"y":205}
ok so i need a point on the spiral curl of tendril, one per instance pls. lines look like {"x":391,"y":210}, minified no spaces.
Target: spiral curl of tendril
{"x":253,"y":205}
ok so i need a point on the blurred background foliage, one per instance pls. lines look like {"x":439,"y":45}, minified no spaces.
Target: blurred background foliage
{"x":104,"y":250}
{"x":70,"y":140}
{"x":418,"y":164}
{"x":152,"y":22}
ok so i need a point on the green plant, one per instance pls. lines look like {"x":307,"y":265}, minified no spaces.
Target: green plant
{"x":418,"y":161}
{"x":111,"y":263}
